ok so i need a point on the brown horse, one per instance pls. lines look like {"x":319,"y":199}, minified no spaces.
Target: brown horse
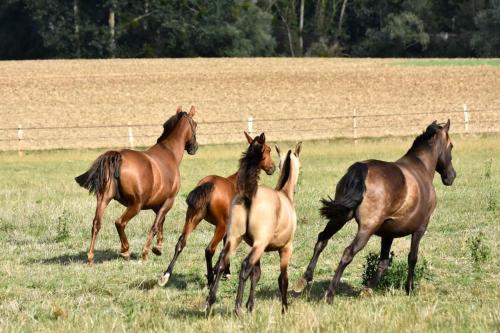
{"x":141,"y":180}
{"x":265,"y":218}
{"x":388,"y":199}
{"x":210,"y":200}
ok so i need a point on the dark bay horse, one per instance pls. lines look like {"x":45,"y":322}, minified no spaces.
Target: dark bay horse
{"x":210,"y":200}
{"x":388,"y":199}
{"x":265,"y":219}
{"x":141,"y":180}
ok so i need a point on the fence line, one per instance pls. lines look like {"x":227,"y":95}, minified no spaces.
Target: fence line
{"x":351,"y":123}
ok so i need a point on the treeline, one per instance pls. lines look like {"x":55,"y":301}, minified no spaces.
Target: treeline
{"x":39,"y":29}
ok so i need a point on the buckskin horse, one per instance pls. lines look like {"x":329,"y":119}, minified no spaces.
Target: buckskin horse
{"x":141,"y":180}
{"x":388,"y":199}
{"x":265,"y":218}
{"x":210,"y":200}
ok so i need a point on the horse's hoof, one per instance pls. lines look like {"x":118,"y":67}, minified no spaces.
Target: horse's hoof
{"x":162,"y":282}
{"x":226,"y":276}
{"x":207,"y":309}
{"x":300,"y":285}
{"x":366,"y":292}
{"x":90,"y":263}
{"x":125,"y":255}
{"x":157,"y":250}
{"x":145,"y":256}
{"x":329,"y":298}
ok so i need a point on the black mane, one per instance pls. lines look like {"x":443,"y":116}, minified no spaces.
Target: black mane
{"x":423,"y":138}
{"x":285,"y":172}
{"x":248,"y":174}
{"x":170,"y":124}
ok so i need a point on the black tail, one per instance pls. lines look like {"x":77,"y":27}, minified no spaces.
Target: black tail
{"x":104,"y":169}
{"x":350,"y":195}
{"x":199,"y":197}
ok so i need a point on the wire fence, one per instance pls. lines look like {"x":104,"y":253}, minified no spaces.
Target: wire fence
{"x":355,"y":126}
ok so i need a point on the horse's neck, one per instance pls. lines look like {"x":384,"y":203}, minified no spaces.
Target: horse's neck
{"x":289,"y":187}
{"x":175,"y":142}
{"x":427,"y":156}
{"x":233,"y":178}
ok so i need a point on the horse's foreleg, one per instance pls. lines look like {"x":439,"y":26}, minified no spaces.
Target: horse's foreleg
{"x":193,"y":218}
{"x":157,"y":249}
{"x":102,"y":203}
{"x":220,"y":230}
{"x":154,"y":228}
{"x":227,"y":270}
{"x":357,"y":244}
{"x":413,"y":256}
{"x":330,"y":229}
{"x":383,"y":262}
{"x":285,"y":255}
{"x":121,"y":223}
{"x":254,"y":279}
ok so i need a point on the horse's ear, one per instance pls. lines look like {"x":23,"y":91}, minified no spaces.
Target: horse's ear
{"x":447,"y":125}
{"x":192,"y":111}
{"x":179,"y":109}
{"x":262,"y":138}
{"x":298,"y":147}
{"x":434,"y":122}
{"x":278,"y":150}
{"x":249,"y":138}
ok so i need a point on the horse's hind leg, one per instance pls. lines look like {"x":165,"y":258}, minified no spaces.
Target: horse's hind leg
{"x":357,"y":244}
{"x":227,"y":270}
{"x":254,"y":279}
{"x":121,"y":223}
{"x":160,"y":216}
{"x":383,"y":262}
{"x":247,"y":267}
{"x":285,"y":255}
{"x":220,"y":230}
{"x":331,"y":229}
{"x":413,"y":256}
{"x":193,"y":218}
{"x":102,"y":203}
{"x":226,"y":253}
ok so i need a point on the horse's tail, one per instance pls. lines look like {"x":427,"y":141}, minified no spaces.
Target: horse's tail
{"x":350,"y":195}
{"x":248,"y":173}
{"x":199,"y":197}
{"x":106,"y":168}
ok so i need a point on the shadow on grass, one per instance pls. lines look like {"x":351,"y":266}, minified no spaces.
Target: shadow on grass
{"x":181,"y":281}
{"x":317,"y":291}
{"x":100,"y":256}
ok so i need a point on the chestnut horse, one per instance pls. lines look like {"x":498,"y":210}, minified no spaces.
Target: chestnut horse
{"x":141,"y":180}
{"x":265,"y":218}
{"x":388,"y":199}
{"x":210,"y":200}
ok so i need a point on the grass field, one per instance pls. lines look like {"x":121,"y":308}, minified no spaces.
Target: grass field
{"x":45,"y":221}
{"x":82,"y":93}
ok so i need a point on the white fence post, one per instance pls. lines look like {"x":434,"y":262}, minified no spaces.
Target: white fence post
{"x":250,"y":125}
{"x":466,"y":119}
{"x":20,"y":134}
{"x":130,"y":137}
{"x":354,"y":127}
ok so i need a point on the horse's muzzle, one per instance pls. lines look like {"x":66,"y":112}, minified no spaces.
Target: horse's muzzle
{"x":449,"y":178}
{"x":191,"y":149}
{"x":270,"y":170}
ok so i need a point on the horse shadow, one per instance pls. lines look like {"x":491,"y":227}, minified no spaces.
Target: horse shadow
{"x":316,"y":291}
{"x":177,"y":281}
{"x":100,"y":256}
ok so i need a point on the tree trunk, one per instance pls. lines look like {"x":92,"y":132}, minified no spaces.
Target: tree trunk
{"x":76,"y":19}
{"x":111,"y":23}
{"x":301,"y":27}
{"x":338,"y":33}
{"x":289,"y":33}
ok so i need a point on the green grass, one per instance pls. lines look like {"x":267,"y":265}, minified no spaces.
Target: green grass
{"x":45,"y":221}
{"x":448,"y":62}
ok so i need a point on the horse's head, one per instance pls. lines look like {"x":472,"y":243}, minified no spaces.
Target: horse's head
{"x":282,"y":158}
{"x":444,"y":164}
{"x":267,"y":163}
{"x":191,"y":144}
